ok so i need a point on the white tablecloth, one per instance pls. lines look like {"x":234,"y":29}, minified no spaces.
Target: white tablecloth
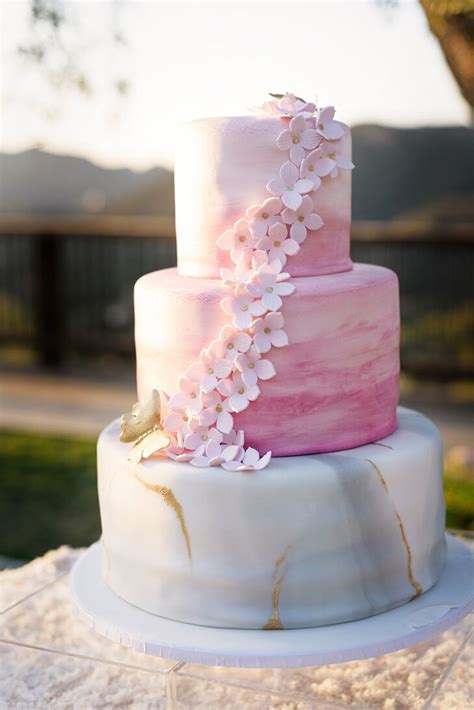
{"x":50,"y":659}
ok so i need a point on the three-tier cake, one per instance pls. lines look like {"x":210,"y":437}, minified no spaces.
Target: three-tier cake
{"x":266,"y":479}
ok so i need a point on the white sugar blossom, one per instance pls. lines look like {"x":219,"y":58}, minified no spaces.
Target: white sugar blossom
{"x":302,"y":219}
{"x":278,"y":244}
{"x":188,"y":397}
{"x":243,"y":307}
{"x":315,"y":166}
{"x":213,"y":454}
{"x":231,"y":342}
{"x":268,"y":332}
{"x":253,"y":368}
{"x":267,"y":285}
{"x":209,"y":370}
{"x":333,"y":153}
{"x":234,"y":437}
{"x":216,"y":411}
{"x":326,"y":126}
{"x":238,"y":393}
{"x":237,"y":240}
{"x":263,"y":216}
{"x":245,"y":269}
{"x":289,"y":186}
{"x":251,"y":461}
{"x":200,"y":436}
{"x":298,"y":137}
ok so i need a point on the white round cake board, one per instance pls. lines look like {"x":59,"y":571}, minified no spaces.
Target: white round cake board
{"x":420,"y":620}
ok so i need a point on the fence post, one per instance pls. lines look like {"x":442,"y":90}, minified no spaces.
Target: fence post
{"x":49,"y":299}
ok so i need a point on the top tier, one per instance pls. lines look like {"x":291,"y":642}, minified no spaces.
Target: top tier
{"x":222,"y":168}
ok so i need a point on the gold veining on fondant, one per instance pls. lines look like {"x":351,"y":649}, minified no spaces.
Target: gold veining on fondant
{"x":274,"y":622}
{"x":411,"y":578}
{"x":170,"y":500}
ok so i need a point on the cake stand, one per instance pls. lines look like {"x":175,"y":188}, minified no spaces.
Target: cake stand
{"x":420,"y":620}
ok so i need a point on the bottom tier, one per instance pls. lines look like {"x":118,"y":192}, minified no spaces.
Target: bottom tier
{"x":308,"y":541}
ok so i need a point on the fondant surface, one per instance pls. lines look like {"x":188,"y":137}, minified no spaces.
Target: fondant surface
{"x":308,"y":541}
{"x":222,"y":167}
{"x":337,"y":381}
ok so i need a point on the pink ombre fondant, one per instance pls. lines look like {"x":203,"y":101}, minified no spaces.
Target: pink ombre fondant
{"x":222,"y":167}
{"x":337,"y":381}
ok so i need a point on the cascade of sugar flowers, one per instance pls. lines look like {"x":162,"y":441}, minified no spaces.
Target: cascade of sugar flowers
{"x":196,"y":424}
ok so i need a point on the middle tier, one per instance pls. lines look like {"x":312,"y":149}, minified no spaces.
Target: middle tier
{"x":337,"y":382}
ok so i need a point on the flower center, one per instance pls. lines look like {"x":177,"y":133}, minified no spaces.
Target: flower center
{"x":185,"y":418}
{"x":230,"y":346}
{"x":277,"y":243}
{"x":296,"y":140}
{"x":193,"y":395}
{"x":321,"y":126}
{"x":204,"y":437}
{"x":210,"y":370}
{"x":244,"y":307}
{"x":269,"y":289}
{"x":267,"y":330}
{"x":242,"y":238}
{"x":289,"y":188}
{"x":265,"y":215}
{"x":251,"y":365}
{"x":241,"y":390}
{"x":331,"y":156}
{"x":301,"y":218}
{"x":219,"y":408}
{"x":311,"y":168}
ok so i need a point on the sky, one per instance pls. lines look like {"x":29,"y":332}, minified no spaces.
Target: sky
{"x":189,"y":60}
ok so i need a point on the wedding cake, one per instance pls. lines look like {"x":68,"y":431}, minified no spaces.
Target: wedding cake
{"x":266,"y":479}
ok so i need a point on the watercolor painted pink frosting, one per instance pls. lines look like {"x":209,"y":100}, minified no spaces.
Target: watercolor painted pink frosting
{"x":222,"y":168}
{"x":337,"y":383}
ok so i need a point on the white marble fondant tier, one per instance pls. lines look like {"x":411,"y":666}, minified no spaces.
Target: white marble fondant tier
{"x":308,"y":541}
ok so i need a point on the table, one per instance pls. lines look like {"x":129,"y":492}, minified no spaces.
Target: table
{"x":50,"y":659}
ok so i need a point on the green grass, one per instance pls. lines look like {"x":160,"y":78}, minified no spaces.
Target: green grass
{"x":48,"y":494}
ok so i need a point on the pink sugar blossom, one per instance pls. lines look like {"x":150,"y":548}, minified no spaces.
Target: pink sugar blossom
{"x":302,"y":219}
{"x":237,"y":240}
{"x":200,"y":436}
{"x":315,"y":166}
{"x":238,"y":393}
{"x":231,"y":342}
{"x":277,"y":243}
{"x":268,"y":332}
{"x":289,"y":186}
{"x":250,"y":461}
{"x":267,"y":285}
{"x":188,"y":397}
{"x":263,"y":216}
{"x":243,"y":307}
{"x":213,"y":454}
{"x":332,"y":152}
{"x":209,"y":370}
{"x":216,"y":411}
{"x":245,"y":269}
{"x":253,"y":368}
{"x":326,"y":126}
{"x":179,"y":421}
{"x":298,"y":137}
{"x":288,"y":105}
{"x":234,"y":437}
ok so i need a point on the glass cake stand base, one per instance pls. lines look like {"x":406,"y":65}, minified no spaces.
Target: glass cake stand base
{"x":420,"y":620}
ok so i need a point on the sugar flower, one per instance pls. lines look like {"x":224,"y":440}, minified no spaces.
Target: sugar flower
{"x":200,"y":436}
{"x":237,"y":240}
{"x":243,"y":307}
{"x":332,"y":152}
{"x":231,"y":342}
{"x":216,"y":411}
{"x":289,"y":186}
{"x":250,"y":262}
{"x":263,"y":216}
{"x":288,"y":105}
{"x":326,"y":126}
{"x":250,"y":461}
{"x":239,"y":394}
{"x":213,"y":454}
{"x":209,"y":370}
{"x":267,"y":285}
{"x":296,"y":138}
{"x":315,"y":166}
{"x":302,"y":219}
{"x":253,"y":368}
{"x":178,"y":420}
{"x":187,"y":397}
{"x":268,"y":331}
{"x":234,"y":437}
{"x":277,"y":244}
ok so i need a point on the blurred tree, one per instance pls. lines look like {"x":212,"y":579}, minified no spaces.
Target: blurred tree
{"x":57,"y":45}
{"x":452,"y":22}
